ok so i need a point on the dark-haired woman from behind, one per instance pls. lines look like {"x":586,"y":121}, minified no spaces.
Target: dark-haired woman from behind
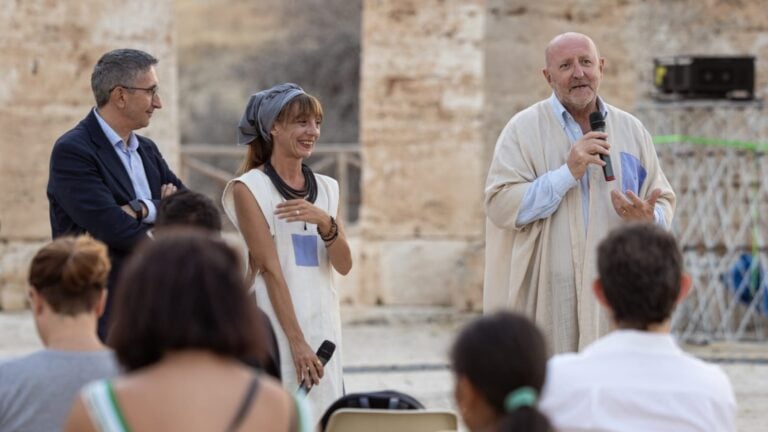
{"x":184,"y":329}
{"x":68,"y":281}
{"x":499,"y":362}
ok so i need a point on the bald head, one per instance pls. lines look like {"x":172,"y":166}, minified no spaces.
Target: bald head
{"x":568,"y":38}
{"x":574,"y":70}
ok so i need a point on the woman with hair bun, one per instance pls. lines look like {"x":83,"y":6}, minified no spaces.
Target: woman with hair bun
{"x":67,"y":293}
{"x":499,"y":362}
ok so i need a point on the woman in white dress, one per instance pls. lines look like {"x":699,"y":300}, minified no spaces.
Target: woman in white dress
{"x":287,"y":217}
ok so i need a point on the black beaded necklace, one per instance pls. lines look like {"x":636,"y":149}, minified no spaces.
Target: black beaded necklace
{"x":310,"y":184}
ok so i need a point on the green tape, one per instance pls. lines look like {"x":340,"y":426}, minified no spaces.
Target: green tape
{"x":746,"y":145}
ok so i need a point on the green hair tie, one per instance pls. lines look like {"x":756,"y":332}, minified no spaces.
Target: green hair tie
{"x":523,"y":396}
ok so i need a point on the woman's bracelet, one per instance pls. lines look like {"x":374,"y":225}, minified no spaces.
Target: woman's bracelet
{"x":332,"y":240}
{"x":332,"y":233}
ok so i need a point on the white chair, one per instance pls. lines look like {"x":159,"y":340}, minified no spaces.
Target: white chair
{"x":378,"y":420}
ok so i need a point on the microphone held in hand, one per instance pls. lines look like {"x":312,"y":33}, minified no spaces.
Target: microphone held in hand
{"x":597,"y":123}
{"x":324,"y":353}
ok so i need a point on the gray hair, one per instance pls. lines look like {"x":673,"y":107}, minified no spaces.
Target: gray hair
{"x":118,"y":68}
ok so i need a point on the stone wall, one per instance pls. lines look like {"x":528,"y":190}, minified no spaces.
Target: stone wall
{"x":47,"y":53}
{"x":421,"y":136}
{"x":629,"y":34}
{"x":229,"y":49}
{"x":440,"y":79}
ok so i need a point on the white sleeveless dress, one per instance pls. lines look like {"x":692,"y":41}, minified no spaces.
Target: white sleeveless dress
{"x":307,"y":272}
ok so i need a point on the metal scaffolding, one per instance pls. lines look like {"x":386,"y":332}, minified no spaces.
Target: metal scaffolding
{"x":713,"y":153}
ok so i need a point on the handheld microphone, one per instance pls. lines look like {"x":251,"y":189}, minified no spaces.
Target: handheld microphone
{"x":597,"y":123}
{"x":324,"y":353}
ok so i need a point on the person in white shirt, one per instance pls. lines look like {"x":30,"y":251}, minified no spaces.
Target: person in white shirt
{"x":637,"y":378}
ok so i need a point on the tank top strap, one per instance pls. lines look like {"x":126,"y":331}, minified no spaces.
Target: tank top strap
{"x":102,"y":407}
{"x":245,"y":404}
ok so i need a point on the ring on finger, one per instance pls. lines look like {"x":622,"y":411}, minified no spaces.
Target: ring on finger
{"x":297,"y":212}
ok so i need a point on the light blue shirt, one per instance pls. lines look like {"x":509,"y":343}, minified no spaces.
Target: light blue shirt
{"x":133,"y":165}
{"x":544,"y":195}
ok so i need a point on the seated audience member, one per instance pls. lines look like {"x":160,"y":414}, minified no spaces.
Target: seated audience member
{"x":193,"y":209}
{"x":499,"y":362}
{"x":181,"y":332}
{"x":637,"y":378}
{"x":188,"y":208}
{"x":68,"y":289}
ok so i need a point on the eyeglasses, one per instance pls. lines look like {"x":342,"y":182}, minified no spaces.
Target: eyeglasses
{"x":151,"y":90}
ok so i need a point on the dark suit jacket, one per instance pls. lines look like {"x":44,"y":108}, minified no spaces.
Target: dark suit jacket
{"x":87,"y":184}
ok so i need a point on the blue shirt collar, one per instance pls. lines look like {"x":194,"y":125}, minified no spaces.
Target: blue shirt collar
{"x":113,"y":137}
{"x":563,"y":115}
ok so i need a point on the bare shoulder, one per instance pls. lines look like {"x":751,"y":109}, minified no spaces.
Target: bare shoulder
{"x":276,"y":399}
{"x":244,"y":197}
{"x":275,"y":392}
{"x":78,"y":419}
{"x":240,"y":190}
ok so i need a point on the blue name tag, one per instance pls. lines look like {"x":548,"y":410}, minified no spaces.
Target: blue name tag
{"x":305,"y":250}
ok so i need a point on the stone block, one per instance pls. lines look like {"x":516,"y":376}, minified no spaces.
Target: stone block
{"x":47,"y":55}
{"x":421,"y":272}
{"x":13,"y":300}
{"x":422,"y":142}
{"x":14,"y":267}
{"x":423,"y":190}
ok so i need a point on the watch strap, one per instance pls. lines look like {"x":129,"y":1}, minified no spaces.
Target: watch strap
{"x":137,"y":208}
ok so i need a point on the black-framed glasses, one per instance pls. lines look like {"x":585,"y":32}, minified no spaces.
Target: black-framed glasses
{"x":151,"y":90}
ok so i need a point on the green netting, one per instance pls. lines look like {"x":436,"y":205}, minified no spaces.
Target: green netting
{"x":746,"y":145}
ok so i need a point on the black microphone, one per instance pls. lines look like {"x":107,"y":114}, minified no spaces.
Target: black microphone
{"x":324,"y":353}
{"x":597,"y":123}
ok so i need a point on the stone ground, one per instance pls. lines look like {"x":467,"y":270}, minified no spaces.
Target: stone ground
{"x":406,"y":349}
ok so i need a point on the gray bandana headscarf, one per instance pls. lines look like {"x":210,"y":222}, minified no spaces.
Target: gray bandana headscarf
{"x":262,"y":110}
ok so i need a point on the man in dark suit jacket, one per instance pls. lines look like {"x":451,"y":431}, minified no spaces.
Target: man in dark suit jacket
{"x":104,"y":179}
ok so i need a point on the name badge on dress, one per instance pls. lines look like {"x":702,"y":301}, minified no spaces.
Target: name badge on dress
{"x":305,"y":250}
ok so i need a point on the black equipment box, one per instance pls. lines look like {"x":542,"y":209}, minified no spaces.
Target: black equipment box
{"x":705,"y":77}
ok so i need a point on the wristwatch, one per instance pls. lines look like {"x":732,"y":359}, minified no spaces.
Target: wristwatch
{"x":137,"y":208}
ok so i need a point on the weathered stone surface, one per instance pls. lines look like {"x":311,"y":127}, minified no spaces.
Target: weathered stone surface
{"x":630,"y":34}
{"x":47,"y":53}
{"x":429,"y":190}
{"x":229,"y":49}
{"x":425,"y":164}
{"x":439,"y":81}
{"x":421,"y":136}
{"x":440,"y":272}
{"x":14,"y":265}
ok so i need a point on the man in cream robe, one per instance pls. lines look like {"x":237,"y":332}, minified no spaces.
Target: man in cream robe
{"x":548,"y":204}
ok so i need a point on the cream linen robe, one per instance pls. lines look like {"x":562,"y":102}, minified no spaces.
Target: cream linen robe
{"x":545,"y":269}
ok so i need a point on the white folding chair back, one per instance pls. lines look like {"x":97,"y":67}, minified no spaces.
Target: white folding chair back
{"x":378,"y":420}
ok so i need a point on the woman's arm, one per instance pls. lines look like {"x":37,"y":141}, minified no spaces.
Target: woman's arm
{"x":263,"y":255}
{"x":338,"y":248}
